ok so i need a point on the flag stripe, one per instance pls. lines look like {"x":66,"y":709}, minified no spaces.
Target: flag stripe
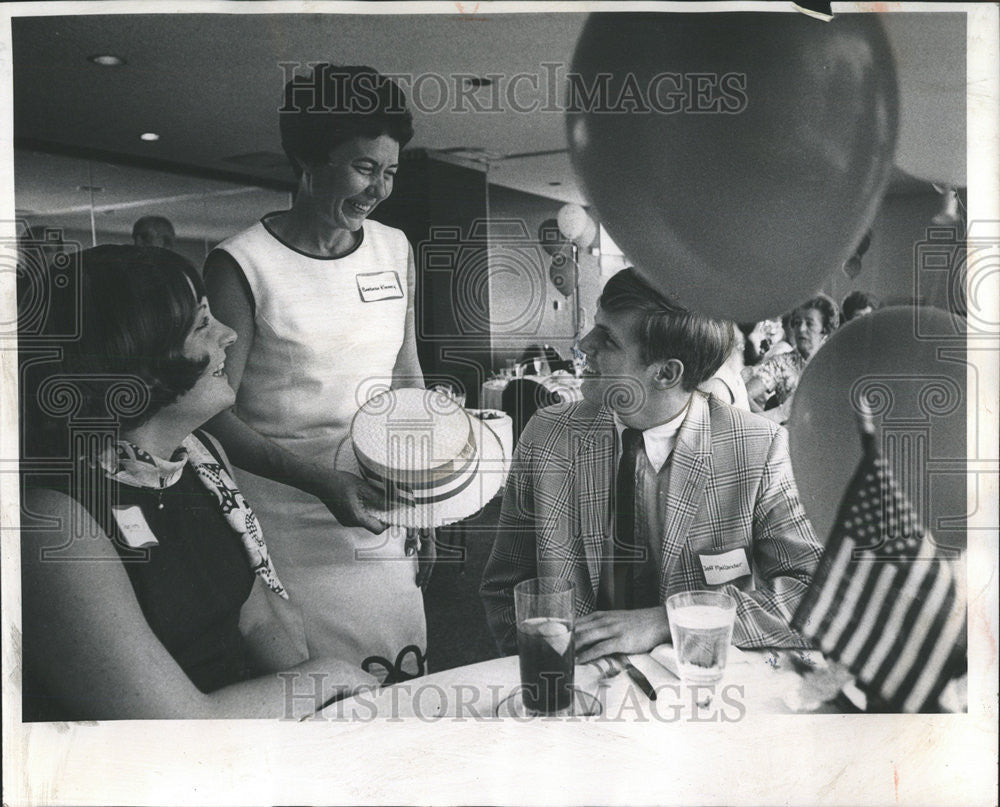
{"x":869,"y":618}
{"x":894,"y":626}
{"x":917,"y":633}
{"x":848,"y":608}
{"x":871,"y":577}
{"x":812,"y":624}
{"x":934,"y":677}
{"x":913,"y":603}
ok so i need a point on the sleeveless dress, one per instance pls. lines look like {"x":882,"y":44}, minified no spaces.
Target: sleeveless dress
{"x":190,"y":585}
{"x":327,"y":334}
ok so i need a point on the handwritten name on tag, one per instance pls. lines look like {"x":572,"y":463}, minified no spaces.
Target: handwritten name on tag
{"x":133,"y":526}
{"x":721,"y":567}
{"x":376,"y":286}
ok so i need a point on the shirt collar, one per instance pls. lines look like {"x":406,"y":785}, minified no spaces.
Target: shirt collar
{"x":658,"y":441}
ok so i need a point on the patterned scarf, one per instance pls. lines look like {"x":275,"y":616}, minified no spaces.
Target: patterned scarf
{"x":130,"y":465}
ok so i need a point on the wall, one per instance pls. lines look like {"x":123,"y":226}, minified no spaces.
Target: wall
{"x":526,"y":307}
{"x":889,"y":267}
{"x":192,"y":249}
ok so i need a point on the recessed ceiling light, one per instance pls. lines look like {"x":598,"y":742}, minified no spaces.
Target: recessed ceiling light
{"x":106,"y":60}
{"x":149,"y":137}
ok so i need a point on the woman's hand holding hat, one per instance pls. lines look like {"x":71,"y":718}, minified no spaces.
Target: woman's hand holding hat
{"x":351,"y":499}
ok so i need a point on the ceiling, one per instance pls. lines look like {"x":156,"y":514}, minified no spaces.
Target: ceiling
{"x":210,"y":84}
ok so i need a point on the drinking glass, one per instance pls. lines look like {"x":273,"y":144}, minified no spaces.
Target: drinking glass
{"x":544,"y":610}
{"x":701,"y":627}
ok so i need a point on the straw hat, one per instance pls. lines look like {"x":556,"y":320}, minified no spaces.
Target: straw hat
{"x":435,"y":462}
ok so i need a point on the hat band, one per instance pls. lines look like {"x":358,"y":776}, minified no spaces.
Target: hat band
{"x":422,"y":477}
{"x":429,"y":493}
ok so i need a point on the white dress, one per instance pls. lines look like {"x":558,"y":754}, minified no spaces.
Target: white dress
{"x":327,"y":334}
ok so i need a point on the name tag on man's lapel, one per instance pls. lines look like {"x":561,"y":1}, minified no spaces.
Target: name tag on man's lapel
{"x":133,"y":526}
{"x":376,"y":286}
{"x":723,"y":567}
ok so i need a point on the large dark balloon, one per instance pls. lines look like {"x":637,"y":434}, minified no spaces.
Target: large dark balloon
{"x":737,"y":159}
{"x":909,"y":365}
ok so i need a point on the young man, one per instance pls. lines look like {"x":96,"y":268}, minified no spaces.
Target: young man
{"x":648,"y":487}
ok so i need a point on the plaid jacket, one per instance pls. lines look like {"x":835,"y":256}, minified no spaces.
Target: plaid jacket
{"x":730,"y":486}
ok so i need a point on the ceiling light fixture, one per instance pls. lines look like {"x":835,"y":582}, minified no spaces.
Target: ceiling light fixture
{"x":106,"y":60}
{"x":149,"y":137}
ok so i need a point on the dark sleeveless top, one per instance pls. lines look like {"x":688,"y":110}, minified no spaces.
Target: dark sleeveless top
{"x":193,"y":582}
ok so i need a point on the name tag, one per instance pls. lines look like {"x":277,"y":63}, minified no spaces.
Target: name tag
{"x":377,"y":286}
{"x":133,"y":526}
{"x":721,"y":567}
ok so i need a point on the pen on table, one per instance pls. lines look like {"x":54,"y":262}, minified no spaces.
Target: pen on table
{"x":636,"y":675}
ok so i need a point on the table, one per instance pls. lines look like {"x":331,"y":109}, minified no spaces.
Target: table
{"x":756,"y":682}
{"x":564,"y":385}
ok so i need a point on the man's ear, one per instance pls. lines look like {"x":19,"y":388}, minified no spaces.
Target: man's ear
{"x":669,"y":374}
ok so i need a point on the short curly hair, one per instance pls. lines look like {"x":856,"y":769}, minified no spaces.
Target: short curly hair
{"x":335,"y":104}
{"x":827,"y":308}
{"x":138,"y":305}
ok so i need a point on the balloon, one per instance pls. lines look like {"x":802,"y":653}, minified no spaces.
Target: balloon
{"x":930,"y":64}
{"x":576,"y":225}
{"x":737,"y":159}
{"x":908,"y":363}
{"x":549,"y":236}
{"x":563,"y":274}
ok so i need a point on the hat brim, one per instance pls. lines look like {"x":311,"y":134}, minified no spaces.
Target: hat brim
{"x":486,"y":484}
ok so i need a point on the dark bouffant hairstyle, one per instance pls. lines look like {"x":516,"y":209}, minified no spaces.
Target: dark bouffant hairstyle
{"x":335,"y":104}
{"x":669,"y":331}
{"x":138,"y":304}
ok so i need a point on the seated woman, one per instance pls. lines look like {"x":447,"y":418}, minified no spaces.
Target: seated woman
{"x":771,"y":383}
{"x":147,"y":589}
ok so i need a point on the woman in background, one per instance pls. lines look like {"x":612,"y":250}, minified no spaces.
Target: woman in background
{"x":154,"y":595}
{"x":322,"y":300}
{"x":772,"y":382}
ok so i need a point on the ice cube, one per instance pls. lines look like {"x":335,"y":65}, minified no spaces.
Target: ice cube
{"x":557,"y":634}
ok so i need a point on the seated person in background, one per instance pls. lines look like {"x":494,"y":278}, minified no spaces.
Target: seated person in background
{"x":772,"y":382}
{"x":785,"y":338}
{"x":547,"y":355}
{"x":727,"y":383}
{"x":154,"y":595}
{"x":703,"y":493}
{"x":153,"y":231}
{"x":859,"y":303}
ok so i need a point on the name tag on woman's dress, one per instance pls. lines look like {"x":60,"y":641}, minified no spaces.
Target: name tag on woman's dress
{"x":133,"y":526}
{"x":377,"y":286}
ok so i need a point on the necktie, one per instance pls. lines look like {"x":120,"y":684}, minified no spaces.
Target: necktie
{"x":627,"y":554}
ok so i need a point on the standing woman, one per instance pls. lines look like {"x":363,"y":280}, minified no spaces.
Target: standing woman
{"x":322,"y":301}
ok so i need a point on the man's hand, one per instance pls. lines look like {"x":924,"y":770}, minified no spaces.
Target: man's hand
{"x":351,"y":499}
{"x":604,"y":632}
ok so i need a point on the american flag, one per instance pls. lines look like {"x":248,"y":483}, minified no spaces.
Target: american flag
{"x":885,"y":601}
